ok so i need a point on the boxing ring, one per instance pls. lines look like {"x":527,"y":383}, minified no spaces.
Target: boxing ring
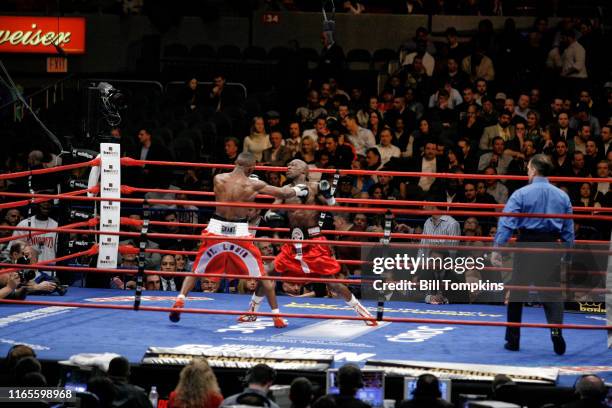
{"x":458,"y":339}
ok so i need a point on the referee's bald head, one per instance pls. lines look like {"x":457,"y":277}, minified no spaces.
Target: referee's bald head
{"x":542,"y":165}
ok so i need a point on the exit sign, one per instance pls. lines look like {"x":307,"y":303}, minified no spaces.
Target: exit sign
{"x":57,"y":64}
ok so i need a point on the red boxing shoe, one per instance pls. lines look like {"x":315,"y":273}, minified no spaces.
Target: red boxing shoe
{"x":280,"y":323}
{"x":247,"y":318}
{"x":363,"y":312}
{"x":175,"y":316}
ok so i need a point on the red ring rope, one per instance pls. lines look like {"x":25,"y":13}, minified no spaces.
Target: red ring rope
{"x":269,"y":278}
{"x":367,"y":201}
{"x":315,"y":316}
{"x":316,"y":242}
{"x":367,"y":210}
{"x":56,"y":169}
{"x":128,"y":161}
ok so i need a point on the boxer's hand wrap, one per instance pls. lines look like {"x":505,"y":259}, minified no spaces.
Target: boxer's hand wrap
{"x":254,"y":177}
{"x":301,"y":191}
{"x":325,"y":190}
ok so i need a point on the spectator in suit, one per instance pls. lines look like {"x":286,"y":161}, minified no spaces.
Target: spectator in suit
{"x":470,"y":156}
{"x":293,"y":142}
{"x":278,"y":154}
{"x":150,"y":149}
{"x":605,"y":141}
{"x":428,"y":162}
{"x":503,"y":129}
{"x":563,"y":129}
{"x":331,"y":62}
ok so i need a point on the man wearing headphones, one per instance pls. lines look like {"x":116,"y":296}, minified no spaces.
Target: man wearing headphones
{"x":350,"y":380}
{"x":258,"y":380}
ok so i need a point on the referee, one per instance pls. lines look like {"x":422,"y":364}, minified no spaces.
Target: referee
{"x":539,"y":269}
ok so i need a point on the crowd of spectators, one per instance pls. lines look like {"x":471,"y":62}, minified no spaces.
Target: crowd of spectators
{"x":484,"y":104}
{"x":198,"y":387}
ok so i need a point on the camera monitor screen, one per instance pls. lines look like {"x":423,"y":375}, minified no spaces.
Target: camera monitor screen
{"x":373,"y":391}
{"x":411,"y":382}
{"x":74,"y":379}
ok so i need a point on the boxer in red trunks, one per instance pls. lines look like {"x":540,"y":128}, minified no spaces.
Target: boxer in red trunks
{"x":218,"y":254}
{"x":311,"y":260}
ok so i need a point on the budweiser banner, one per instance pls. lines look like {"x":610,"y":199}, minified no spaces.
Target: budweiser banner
{"x":41,"y":34}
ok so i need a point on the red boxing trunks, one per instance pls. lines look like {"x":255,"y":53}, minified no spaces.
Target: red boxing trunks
{"x":302,"y":260}
{"x":219,"y":256}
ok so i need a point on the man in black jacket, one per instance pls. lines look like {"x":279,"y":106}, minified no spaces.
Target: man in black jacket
{"x":150,"y":149}
{"x":426,"y":394}
{"x":350,"y":380}
{"x":126,"y":394}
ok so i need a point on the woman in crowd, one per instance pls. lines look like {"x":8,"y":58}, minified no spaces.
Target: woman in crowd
{"x":197,"y":387}
{"x":376,"y":124}
{"x":247,"y":286}
{"x":534,"y":131}
{"x":416,"y":140}
{"x":455,"y":157}
{"x":585,"y":197}
{"x":258,"y":140}
{"x":307,"y":151}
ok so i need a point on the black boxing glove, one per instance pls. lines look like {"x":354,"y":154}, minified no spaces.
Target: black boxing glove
{"x":325,"y":191}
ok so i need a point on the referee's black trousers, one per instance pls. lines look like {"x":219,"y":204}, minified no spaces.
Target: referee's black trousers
{"x":537,"y":269}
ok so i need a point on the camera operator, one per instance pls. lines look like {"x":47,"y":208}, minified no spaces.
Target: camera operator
{"x":21,"y":253}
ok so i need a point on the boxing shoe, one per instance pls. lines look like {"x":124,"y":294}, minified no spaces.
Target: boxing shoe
{"x":558,"y":341}
{"x":280,"y":323}
{"x":512,"y":346}
{"x":247,"y":318}
{"x":363,"y":312}
{"x":175,"y":315}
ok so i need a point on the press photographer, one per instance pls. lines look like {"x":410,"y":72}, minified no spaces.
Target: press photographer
{"x":31,"y":282}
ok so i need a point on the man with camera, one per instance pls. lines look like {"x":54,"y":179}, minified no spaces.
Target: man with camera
{"x":21,"y":253}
